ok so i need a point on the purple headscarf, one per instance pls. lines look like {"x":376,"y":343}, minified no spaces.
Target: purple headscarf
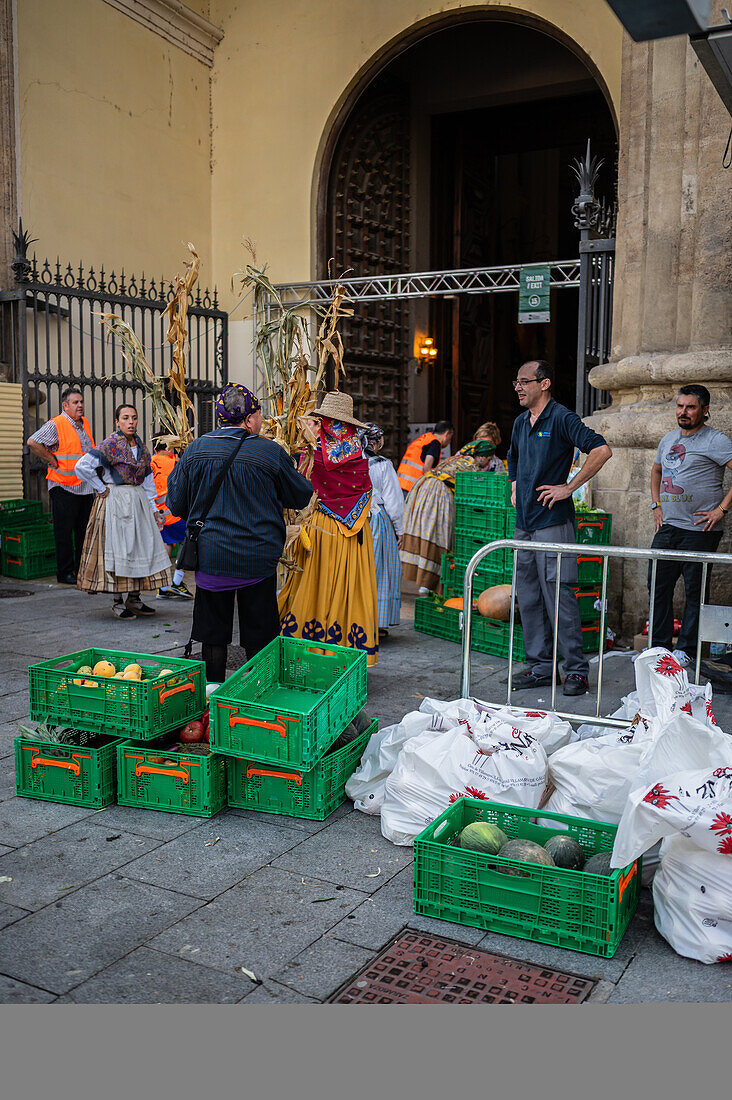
{"x":245,"y":404}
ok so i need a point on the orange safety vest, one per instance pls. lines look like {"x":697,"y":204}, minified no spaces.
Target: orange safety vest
{"x":162,"y":466}
{"x":69,"y":451}
{"x":411,"y":466}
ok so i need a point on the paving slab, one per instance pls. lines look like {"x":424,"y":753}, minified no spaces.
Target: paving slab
{"x":7,"y":777}
{"x":13,"y":992}
{"x":15,"y":705}
{"x":210,"y":860}
{"x":55,"y":865}
{"x":10,"y":913}
{"x":23,"y":820}
{"x":60,"y":946}
{"x":324,"y":966}
{"x":347,"y":853}
{"x":151,"y":977}
{"x":271,"y":993}
{"x":385,"y":913}
{"x":259,"y":924}
{"x":154,"y":823}
{"x":301,"y":825}
{"x":658,"y":974}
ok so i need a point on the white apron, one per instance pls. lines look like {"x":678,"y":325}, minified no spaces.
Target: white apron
{"x":133,"y":546}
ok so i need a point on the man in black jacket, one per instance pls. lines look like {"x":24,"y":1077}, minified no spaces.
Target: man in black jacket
{"x":243,"y":536}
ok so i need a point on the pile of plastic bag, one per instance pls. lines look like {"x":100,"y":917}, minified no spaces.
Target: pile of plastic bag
{"x":665,"y":779}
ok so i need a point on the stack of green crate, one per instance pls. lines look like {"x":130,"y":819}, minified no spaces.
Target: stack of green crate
{"x":27,"y":548}
{"x":279,"y":720}
{"x":483,"y":513}
{"x":124,"y":717}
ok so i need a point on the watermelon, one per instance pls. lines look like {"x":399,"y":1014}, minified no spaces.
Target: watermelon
{"x":525,"y":850}
{"x":599,"y":864}
{"x":362,"y":721}
{"x":349,"y":734}
{"x":565,"y":852}
{"x":481,"y":836}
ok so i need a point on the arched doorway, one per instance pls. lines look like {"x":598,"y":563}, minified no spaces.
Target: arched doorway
{"x":457,"y":154}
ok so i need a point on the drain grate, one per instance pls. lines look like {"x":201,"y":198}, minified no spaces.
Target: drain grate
{"x":14,"y":593}
{"x":419,"y":969}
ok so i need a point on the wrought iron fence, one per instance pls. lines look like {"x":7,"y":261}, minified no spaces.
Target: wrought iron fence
{"x":51,"y":338}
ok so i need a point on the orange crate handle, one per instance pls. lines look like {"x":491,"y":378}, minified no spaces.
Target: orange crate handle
{"x":178,"y":773}
{"x":190,"y":686}
{"x":625,"y":879}
{"x":13,"y":561}
{"x":239,"y":720}
{"x":12,"y":538}
{"x":277,"y":775}
{"x":71,"y":765}
{"x":589,"y":523}
{"x":598,"y":560}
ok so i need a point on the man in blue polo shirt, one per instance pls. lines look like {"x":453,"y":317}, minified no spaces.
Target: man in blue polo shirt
{"x":543,"y":442}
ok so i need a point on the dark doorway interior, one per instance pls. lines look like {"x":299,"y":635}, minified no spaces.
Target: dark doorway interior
{"x":502,"y":192}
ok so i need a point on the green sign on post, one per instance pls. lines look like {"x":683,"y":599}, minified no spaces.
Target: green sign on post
{"x":534,"y":294}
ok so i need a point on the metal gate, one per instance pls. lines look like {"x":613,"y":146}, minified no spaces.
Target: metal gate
{"x":51,"y":338}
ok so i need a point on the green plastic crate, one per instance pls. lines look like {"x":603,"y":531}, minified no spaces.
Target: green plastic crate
{"x":586,"y":603}
{"x":591,"y":637}
{"x":570,"y":909}
{"x":24,"y":539}
{"x":466,"y":544}
{"x":488,"y":636}
{"x":175,"y":782}
{"x":289,"y":703}
{"x":485,"y":576}
{"x":314,"y":794}
{"x":143,"y":710}
{"x":593,"y":527}
{"x":73,"y":774}
{"x":477,"y":487}
{"x":484,"y":522}
{"x":36,"y":563}
{"x":19,"y":511}
{"x":589,"y":571}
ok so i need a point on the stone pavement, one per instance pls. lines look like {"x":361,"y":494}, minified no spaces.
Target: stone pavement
{"x":134,"y":906}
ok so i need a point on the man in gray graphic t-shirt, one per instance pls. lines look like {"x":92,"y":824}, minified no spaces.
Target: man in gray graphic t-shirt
{"x":689,"y":507}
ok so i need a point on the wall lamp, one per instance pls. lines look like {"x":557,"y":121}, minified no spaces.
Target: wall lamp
{"x":426,"y":353}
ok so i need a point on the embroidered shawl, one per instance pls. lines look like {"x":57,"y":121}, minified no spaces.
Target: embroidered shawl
{"x":340,"y":473}
{"x":115,"y":455}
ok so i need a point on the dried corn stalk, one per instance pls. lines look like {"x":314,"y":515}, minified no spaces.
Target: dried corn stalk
{"x":284,"y":348}
{"x":177,"y":335}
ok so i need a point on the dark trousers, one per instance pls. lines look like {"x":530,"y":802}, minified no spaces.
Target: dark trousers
{"x":667,"y":573}
{"x":70,"y":513}
{"x":259,"y":619}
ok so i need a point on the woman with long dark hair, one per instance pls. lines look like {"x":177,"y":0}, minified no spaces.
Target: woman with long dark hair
{"x":123,"y":550}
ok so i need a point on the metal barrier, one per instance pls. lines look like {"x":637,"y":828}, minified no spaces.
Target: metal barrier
{"x":712,"y":618}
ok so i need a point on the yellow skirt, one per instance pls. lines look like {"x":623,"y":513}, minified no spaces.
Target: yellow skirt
{"x":333,"y":599}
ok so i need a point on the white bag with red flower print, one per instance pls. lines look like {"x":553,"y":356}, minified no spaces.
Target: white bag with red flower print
{"x":697,"y":804}
{"x":553,"y":732}
{"x":470,"y":760}
{"x":692,"y":901}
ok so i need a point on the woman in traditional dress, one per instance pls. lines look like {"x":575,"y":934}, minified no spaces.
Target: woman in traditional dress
{"x":123,"y":550}
{"x":333,"y":598}
{"x":387,"y":524}
{"x":429,"y":514}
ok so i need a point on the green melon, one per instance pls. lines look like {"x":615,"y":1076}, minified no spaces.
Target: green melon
{"x":566,"y":852}
{"x":527,"y":851}
{"x":481,"y":836}
{"x":349,"y":734}
{"x":599,"y":864}
{"x":362,"y":721}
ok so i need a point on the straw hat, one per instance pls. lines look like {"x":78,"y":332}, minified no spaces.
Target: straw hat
{"x":338,"y":406}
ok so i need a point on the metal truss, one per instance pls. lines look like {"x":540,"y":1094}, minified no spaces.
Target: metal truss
{"x":427,"y":284}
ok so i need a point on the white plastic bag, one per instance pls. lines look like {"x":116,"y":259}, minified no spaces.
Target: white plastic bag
{"x":553,"y":732}
{"x":595,"y":776}
{"x":682,"y":744}
{"x":697,"y":804}
{"x":662,"y":684}
{"x":433,"y":771}
{"x":366,"y":785}
{"x":692,"y":901}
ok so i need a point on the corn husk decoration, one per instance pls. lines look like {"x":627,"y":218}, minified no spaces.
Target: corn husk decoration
{"x":285,"y":349}
{"x":172,"y":416}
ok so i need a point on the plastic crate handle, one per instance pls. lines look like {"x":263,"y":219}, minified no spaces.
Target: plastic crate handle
{"x":13,"y":561}
{"x":440,"y":829}
{"x":12,"y":538}
{"x":242,"y":720}
{"x":190,"y":686}
{"x":149,"y":769}
{"x":296,"y":776}
{"x":625,"y":879}
{"x":589,"y":523}
{"x":598,"y":560}
{"x":71,"y":765}
{"x":321,"y":652}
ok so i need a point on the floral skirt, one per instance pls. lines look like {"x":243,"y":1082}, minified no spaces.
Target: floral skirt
{"x":333,"y":599}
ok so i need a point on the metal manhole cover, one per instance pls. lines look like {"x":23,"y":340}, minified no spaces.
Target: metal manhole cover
{"x":419,"y":969}
{"x":12,"y":593}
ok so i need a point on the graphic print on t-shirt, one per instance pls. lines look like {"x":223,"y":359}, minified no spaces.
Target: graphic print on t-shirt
{"x":673,"y":460}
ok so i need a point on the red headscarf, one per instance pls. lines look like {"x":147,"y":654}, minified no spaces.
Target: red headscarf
{"x":340,"y":473}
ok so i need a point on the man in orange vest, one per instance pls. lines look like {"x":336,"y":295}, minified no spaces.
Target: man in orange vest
{"x":174,"y":528}
{"x":423,"y":453}
{"x":60,"y":443}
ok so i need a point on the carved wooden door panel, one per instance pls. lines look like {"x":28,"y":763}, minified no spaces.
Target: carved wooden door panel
{"x":367,"y":233}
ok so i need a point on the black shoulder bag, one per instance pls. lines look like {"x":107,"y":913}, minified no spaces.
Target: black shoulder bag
{"x":187,"y":558}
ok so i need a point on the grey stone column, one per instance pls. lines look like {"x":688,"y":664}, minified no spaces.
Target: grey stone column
{"x":673,"y":293}
{"x":9,"y":198}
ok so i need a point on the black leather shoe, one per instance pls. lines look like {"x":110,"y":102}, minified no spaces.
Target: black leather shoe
{"x":68,"y":579}
{"x":575,"y":684}
{"x":528,"y":679}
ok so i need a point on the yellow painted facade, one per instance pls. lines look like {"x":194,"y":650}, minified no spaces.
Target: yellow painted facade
{"x":129,"y":146}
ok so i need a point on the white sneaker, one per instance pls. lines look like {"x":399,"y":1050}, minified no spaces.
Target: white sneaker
{"x":683,"y":658}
